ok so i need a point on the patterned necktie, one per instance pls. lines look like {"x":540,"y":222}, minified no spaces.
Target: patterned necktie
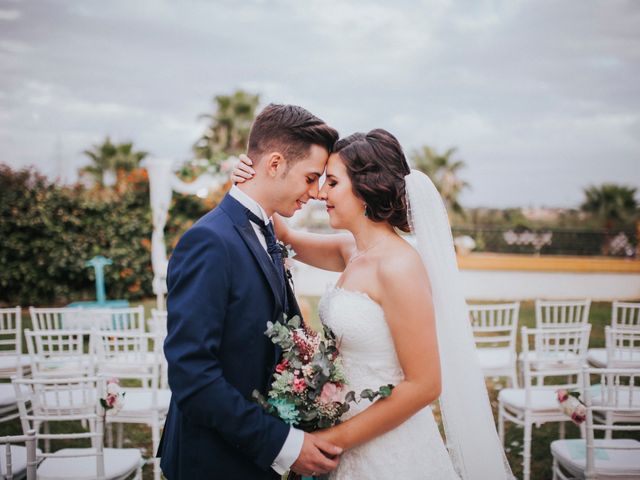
{"x":274,"y":250}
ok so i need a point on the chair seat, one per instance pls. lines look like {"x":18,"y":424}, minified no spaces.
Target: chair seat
{"x":64,"y":366}
{"x":541,"y":400}
{"x":609,"y":463}
{"x":494,"y":357}
{"x":622,"y":400}
{"x":8,"y":394}
{"x":130,"y":365}
{"x":561,"y":360}
{"x":118,"y":462}
{"x":138,"y":401}
{"x":12,"y":361}
{"x":18,"y":460}
{"x":598,"y":358}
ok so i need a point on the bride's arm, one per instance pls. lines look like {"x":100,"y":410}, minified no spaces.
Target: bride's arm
{"x":329,"y":252}
{"x":406,"y":301}
{"x":326,"y":251}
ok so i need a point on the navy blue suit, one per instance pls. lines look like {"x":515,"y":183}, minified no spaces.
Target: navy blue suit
{"x":222,"y":291}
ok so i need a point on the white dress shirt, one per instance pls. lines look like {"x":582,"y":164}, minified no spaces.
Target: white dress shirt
{"x":293,"y":444}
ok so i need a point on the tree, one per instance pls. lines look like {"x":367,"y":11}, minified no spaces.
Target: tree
{"x":611,"y":204}
{"x":228,"y":131}
{"x":444,"y":172}
{"x":110,"y":160}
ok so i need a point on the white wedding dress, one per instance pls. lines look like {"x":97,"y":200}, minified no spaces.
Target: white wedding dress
{"x":415,"y":449}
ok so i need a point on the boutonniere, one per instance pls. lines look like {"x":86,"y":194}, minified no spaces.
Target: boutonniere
{"x":286,"y":250}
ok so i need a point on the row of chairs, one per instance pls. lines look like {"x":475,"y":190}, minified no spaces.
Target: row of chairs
{"x":68,"y":344}
{"x":75,"y":401}
{"x":495,"y":329}
{"x":553,"y":356}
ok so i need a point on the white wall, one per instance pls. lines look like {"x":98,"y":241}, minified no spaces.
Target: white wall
{"x":507,"y":285}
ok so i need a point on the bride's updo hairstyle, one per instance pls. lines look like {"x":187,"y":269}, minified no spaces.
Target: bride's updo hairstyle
{"x":377,"y":166}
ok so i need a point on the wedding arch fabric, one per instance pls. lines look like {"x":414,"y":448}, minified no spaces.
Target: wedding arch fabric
{"x":471,"y":436}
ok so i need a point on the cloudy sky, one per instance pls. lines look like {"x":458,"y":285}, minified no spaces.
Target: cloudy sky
{"x":541,"y":98}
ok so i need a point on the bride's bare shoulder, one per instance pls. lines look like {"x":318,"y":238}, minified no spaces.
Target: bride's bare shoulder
{"x":402,"y":263}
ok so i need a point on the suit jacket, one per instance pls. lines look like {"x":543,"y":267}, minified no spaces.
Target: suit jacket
{"x":222,"y":291}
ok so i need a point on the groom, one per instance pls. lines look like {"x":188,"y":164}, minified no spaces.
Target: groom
{"x":225,"y":282}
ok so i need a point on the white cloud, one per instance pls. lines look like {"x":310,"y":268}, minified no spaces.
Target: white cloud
{"x":9,"y":14}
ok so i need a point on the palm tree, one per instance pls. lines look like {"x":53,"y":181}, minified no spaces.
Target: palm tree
{"x":444,"y":172}
{"x":613,"y":205}
{"x":228,"y":131}
{"x":108,"y":159}
{"x":610,"y":203}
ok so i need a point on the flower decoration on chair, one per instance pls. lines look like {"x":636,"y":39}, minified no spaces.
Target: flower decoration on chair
{"x":571,"y":406}
{"x":114,"y":400}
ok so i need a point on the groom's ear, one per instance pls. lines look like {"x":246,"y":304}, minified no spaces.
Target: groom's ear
{"x":275,"y":163}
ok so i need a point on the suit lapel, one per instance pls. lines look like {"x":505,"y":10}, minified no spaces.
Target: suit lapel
{"x":241,"y":223}
{"x":266,"y":265}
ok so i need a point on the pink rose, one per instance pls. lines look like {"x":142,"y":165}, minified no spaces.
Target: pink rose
{"x":562,"y":395}
{"x":331,"y":393}
{"x":112,"y":398}
{"x":282,"y":366}
{"x":299,"y":385}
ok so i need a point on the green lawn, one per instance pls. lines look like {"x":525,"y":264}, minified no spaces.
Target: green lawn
{"x":140,"y":437}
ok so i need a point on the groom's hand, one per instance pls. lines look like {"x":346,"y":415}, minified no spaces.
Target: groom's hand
{"x":317,"y":457}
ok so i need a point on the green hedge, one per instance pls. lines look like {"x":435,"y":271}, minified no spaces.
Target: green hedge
{"x":47,"y":232}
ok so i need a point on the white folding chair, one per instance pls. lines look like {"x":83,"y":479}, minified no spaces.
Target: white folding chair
{"x":560,"y":356}
{"x":12,"y":361}
{"x":618,"y":391}
{"x":17,"y":461}
{"x":494,"y":328}
{"x":561,"y":314}
{"x":625,"y":314}
{"x":67,"y":400}
{"x":88,"y":318}
{"x":158,"y":325}
{"x":58,"y":353}
{"x":126,"y":355}
{"x":622,"y":349}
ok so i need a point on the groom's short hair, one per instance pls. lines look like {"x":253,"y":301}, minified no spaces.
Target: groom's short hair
{"x":290,"y":130}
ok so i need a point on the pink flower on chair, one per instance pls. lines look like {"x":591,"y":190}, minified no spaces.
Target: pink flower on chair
{"x":571,"y":406}
{"x":115,"y":397}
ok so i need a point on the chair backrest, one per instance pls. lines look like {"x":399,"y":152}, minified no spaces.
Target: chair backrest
{"x":623,"y":347}
{"x":560,"y":314}
{"x":625,"y":314}
{"x":617,"y":390}
{"x":6,"y":463}
{"x":58,"y":353}
{"x":495,"y":325}
{"x":64,"y":400}
{"x":88,"y":318}
{"x":11,"y":331}
{"x":158,"y":322}
{"x":558,"y":353}
{"x":127,"y":354}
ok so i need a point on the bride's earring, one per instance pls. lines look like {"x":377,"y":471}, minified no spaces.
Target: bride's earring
{"x":366,"y":210}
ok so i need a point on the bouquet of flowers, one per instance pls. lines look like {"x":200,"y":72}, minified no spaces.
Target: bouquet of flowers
{"x":309,"y":389}
{"x":571,"y":406}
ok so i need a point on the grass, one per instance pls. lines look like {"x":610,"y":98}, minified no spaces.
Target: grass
{"x":139,"y":436}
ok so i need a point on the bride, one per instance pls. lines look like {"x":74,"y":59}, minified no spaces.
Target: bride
{"x":401,"y":318}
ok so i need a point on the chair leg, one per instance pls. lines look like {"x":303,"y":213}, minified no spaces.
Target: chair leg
{"x":514,"y":378}
{"x":526,"y":450}
{"x":47,"y":442}
{"x":561,"y":432}
{"x":120,"y":439}
{"x":110,"y":435}
{"x":555,"y":469}
{"x":501,"y":423}
{"x":155,"y":441}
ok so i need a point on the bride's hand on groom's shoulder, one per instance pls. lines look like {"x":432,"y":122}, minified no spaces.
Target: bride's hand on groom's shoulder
{"x":317,"y":456}
{"x":242,"y":170}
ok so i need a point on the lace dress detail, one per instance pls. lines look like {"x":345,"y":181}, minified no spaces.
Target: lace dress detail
{"x":413,"y":450}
